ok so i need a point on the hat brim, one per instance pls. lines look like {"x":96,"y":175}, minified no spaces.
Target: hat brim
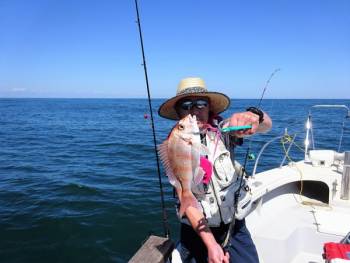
{"x":219,"y":102}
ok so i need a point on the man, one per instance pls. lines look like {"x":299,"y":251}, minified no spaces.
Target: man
{"x":204,"y":232}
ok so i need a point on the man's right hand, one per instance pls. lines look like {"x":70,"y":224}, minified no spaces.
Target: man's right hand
{"x":217,"y":255}
{"x":198,"y":222}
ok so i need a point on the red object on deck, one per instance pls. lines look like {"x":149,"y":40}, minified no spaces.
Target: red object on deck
{"x":336,"y":250}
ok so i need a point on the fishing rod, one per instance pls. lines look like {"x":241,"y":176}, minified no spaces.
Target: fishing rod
{"x":237,"y":193}
{"x":244,"y":127}
{"x":266,"y":85}
{"x":248,"y":149}
{"x":165,"y":217}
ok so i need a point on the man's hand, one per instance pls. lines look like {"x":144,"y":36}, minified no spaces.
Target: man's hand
{"x":199,"y":224}
{"x":217,"y":255}
{"x":242,"y":119}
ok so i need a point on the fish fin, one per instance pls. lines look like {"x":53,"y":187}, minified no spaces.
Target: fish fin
{"x":187,"y":200}
{"x":163,"y":154}
{"x":198,"y":175}
{"x":186,"y":139}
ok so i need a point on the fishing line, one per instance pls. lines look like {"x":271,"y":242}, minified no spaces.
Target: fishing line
{"x":165,"y":217}
{"x":267,"y":84}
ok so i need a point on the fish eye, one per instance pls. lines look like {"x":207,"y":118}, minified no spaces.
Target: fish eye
{"x":181,"y":127}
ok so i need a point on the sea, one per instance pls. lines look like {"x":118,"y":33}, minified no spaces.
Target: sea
{"x":79,"y":179}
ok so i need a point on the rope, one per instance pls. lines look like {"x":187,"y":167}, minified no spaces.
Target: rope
{"x":288,"y":139}
{"x":165,"y":217}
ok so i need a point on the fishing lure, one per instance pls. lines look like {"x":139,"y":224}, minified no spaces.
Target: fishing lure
{"x":236,"y":128}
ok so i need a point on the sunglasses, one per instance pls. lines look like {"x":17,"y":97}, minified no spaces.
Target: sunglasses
{"x":189,"y":104}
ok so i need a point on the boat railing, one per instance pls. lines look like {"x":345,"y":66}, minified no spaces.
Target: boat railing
{"x":280,"y":137}
{"x":309,"y":127}
{"x":308,"y":137}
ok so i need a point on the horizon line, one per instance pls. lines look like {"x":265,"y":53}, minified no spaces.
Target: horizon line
{"x":142,"y":98}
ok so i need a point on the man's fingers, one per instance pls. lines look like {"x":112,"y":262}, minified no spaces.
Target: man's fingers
{"x":245,"y":118}
{"x":233,"y":120}
{"x":227,"y":258}
{"x":217,"y":260}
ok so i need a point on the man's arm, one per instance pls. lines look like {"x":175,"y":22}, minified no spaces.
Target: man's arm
{"x":266,"y":125}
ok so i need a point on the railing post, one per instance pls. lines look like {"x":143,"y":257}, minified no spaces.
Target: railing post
{"x":345,"y":180}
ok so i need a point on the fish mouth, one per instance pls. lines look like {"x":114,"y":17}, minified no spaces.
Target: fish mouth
{"x":193,"y":118}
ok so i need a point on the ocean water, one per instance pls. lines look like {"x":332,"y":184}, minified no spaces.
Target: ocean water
{"x":78,"y":177}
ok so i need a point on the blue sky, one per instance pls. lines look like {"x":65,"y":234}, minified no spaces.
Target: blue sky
{"x":87,"y":49}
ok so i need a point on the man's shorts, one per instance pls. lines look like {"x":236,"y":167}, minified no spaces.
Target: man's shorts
{"x":240,"y":247}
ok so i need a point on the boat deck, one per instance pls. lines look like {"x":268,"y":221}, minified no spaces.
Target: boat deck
{"x":288,"y":227}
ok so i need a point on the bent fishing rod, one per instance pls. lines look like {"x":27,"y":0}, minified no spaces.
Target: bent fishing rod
{"x":243,"y":169}
{"x":237,"y":128}
{"x":165,"y":217}
{"x":267,"y":84}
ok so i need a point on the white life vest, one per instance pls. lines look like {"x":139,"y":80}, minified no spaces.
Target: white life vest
{"x":217,"y":198}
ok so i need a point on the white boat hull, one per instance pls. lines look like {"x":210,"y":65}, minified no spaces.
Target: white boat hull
{"x":287,"y":226}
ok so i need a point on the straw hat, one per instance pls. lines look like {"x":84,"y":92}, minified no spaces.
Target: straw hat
{"x":219,"y":102}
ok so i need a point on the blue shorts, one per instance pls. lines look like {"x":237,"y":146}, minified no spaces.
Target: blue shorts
{"x":240,"y":247}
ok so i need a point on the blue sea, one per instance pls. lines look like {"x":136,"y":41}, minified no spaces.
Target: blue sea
{"x":78,"y":177}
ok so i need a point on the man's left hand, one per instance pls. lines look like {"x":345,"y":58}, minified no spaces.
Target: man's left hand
{"x":242,"y":119}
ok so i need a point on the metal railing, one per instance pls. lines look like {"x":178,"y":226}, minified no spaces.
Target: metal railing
{"x":268,"y":143}
{"x":309,"y":126}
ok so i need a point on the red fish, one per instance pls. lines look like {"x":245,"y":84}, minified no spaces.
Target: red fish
{"x":180,"y":155}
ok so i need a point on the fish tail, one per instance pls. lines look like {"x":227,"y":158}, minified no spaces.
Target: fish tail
{"x":187,"y":200}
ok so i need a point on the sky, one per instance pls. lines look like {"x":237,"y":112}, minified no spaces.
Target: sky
{"x":91,"y":49}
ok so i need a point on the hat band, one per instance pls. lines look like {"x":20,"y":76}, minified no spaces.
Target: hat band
{"x":192,"y":90}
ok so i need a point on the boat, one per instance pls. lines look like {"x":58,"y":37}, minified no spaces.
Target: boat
{"x":296,"y":211}
{"x":298,"y":207}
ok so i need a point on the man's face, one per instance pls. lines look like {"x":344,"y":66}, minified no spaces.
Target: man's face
{"x":194,"y":105}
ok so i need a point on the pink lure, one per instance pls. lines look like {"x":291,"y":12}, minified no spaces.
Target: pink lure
{"x":207,"y":168}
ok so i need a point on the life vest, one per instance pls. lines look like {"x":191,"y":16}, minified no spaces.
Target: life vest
{"x":217,"y":197}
